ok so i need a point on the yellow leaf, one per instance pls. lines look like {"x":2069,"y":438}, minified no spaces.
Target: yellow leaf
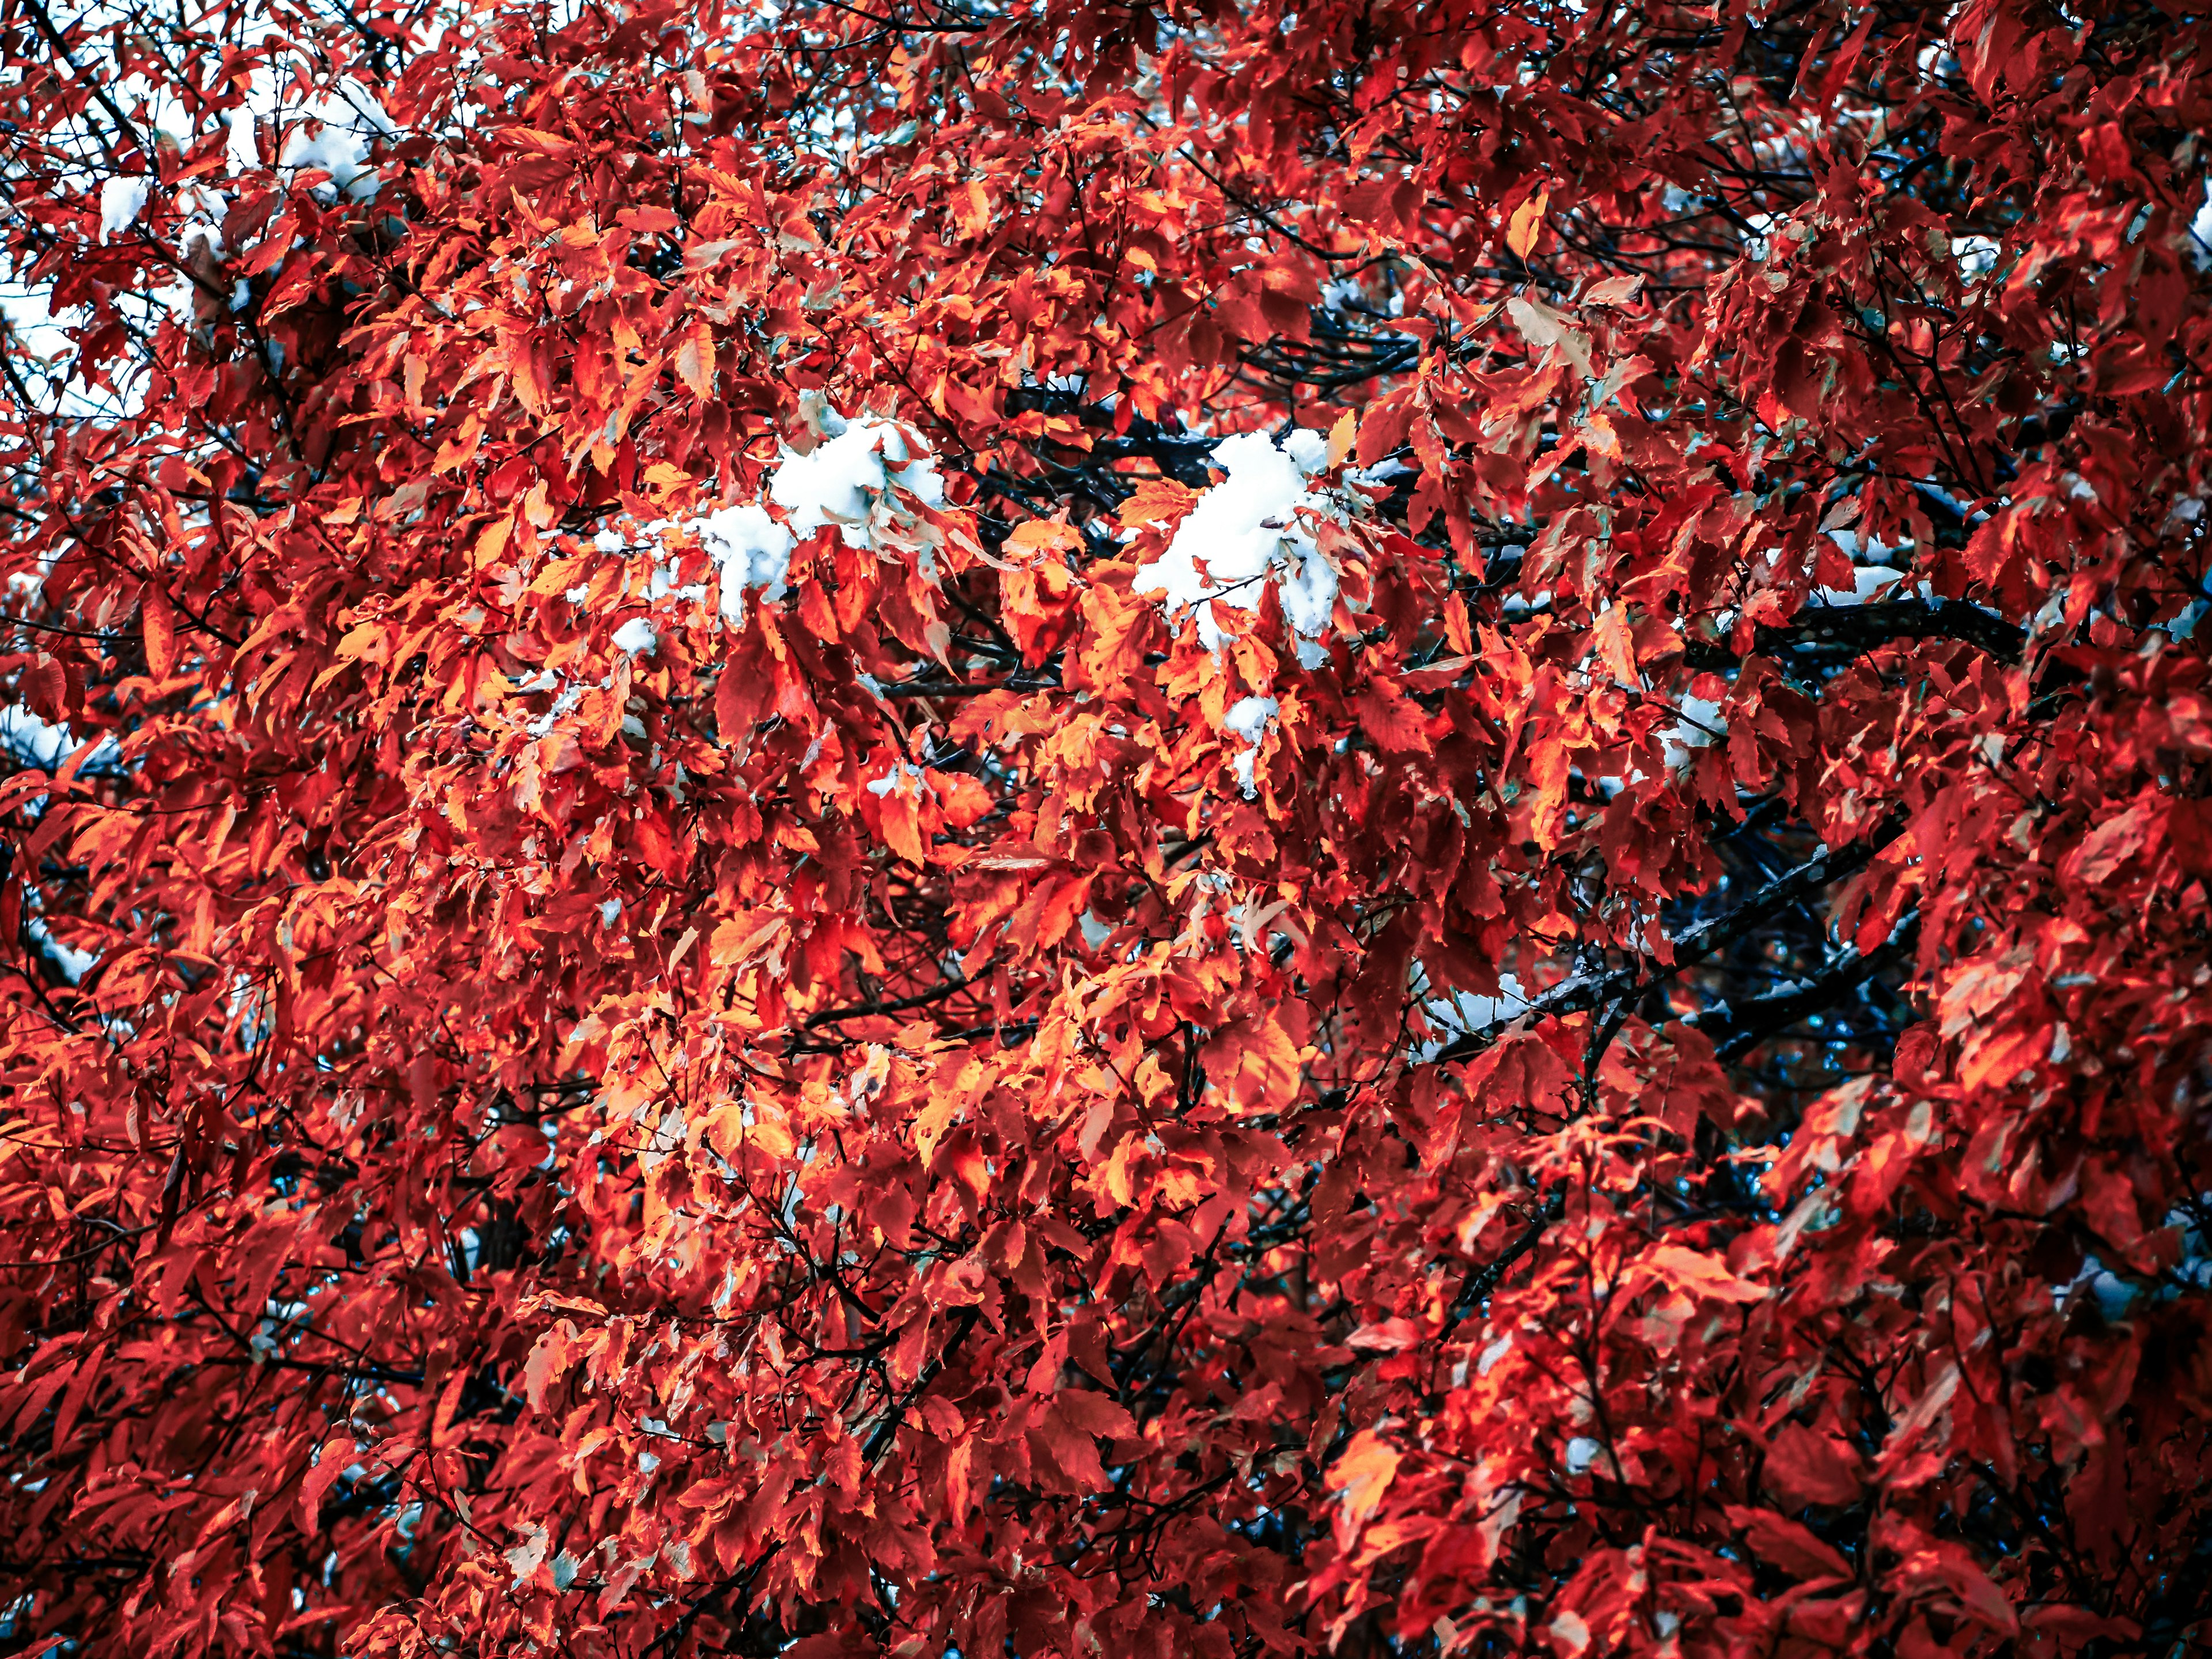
{"x":1527,"y":224}
{"x":1341,"y":437}
{"x":1363,"y":1474}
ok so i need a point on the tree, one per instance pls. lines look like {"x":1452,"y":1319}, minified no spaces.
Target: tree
{"x":923,"y":826}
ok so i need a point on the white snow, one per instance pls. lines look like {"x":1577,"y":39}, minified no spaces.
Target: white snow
{"x":241,"y":152}
{"x":900,"y":780}
{"x":1248,"y":719}
{"x":1244,"y":531}
{"x":1702,"y":723}
{"x":751,"y":549}
{"x":1975,"y":256}
{"x":637,"y":637}
{"x":1309,"y":448}
{"x":328,"y":147}
{"x":1464,"y":1013}
{"x":844,"y":480}
{"x":121,"y":202}
{"x":334,"y":135}
{"x":1381,"y":473}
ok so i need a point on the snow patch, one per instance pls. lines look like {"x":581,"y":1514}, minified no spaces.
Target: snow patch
{"x":1248,"y":719}
{"x":1702,"y":724}
{"x":1467,"y":1013}
{"x":1975,"y":256}
{"x":637,"y":637}
{"x":1309,"y":448}
{"x":1250,"y":529}
{"x":751,"y":549}
{"x":900,"y":780}
{"x":848,"y":479}
{"x":333,"y":136}
{"x":121,"y":202}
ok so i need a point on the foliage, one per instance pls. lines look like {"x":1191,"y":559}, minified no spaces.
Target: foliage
{"x":729,"y":948}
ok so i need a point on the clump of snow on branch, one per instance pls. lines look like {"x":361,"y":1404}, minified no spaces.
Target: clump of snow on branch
{"x":1702,"y":723}
{"x":751,"y":549}
{"x":1873,"y":577}
{"x":853,"y":479}
{"x":1248,"y":719}
{"x":1252,"y":528}
{"x":333,"y":136}
{"x":121,"y":202}
{"x":847,"y":479}
{"x":1468,"y":1013}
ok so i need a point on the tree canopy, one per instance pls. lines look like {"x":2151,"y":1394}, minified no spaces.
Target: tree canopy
{"x":948,"y":828}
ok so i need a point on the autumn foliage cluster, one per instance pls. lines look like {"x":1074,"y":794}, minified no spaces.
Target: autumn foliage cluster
{"x":1030,"y":828}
